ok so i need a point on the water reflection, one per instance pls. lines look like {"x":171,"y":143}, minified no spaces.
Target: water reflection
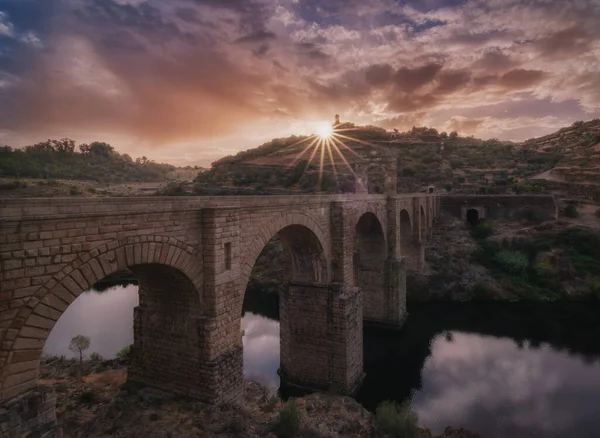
{"x":490,"y":385}
{"x":261,"y":349}
{"x":502,"y":371}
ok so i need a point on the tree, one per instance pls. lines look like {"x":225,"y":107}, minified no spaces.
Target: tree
{"x":80,"y":343}
{"x":453,"y":134}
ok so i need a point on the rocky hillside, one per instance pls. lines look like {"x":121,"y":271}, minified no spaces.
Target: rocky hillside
{"x":425,"y":156}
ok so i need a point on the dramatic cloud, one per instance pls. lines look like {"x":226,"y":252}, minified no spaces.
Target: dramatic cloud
{"x":191,"y":80}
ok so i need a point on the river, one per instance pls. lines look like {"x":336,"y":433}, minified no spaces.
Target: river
{"x":497,"y":369}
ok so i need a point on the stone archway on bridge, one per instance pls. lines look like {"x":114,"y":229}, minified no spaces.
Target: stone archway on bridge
{"x":376,"y":175}
{"x":369,"y":265}
{"x":307,"y":266}
{"x":376,"y":179}
{"x":312,"y":310}
{"x":168,"y":337}
{"x":409,"y":249}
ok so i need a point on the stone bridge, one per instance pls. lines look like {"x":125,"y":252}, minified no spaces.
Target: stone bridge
{"x":193,"y":257}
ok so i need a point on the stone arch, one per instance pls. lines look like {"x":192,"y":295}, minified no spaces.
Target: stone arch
{"x":376,"y":179}
{"x":369,"y":264}
{"x":472,"y":216}
{"x":303,"y":240}
{"x":406,"y":230}
{"x":163,"y":266}
{"x":408,"y":247}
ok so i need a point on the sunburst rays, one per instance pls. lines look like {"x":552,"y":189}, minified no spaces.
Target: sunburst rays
{"x":328,"y":144}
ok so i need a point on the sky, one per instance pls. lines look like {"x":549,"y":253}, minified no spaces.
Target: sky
{"x":189,"y":81}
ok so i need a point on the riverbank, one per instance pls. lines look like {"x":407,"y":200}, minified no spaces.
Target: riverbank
{"x":101,"y":403}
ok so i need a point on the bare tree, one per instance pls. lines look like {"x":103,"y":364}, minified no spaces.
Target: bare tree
{"x":80,"y":343}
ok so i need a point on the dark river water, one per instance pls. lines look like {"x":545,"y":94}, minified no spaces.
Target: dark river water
{"x":502,"y":370}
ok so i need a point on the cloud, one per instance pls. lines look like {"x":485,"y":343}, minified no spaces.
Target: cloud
{"x":198,"y":72}
{"x":6,"y":27}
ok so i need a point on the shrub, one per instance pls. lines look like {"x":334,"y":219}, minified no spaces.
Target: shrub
{"x":598,"y":213}
{"x":482,"y":230}
{"x":74,"y":191}
{"x":396,"y":421}
{"x":544,"y":269}
{"x":124,"y":353}
{"x":95,"y":357}
{"x":288,"y":424}
{"x":448,"y":187}
{"x":513,"y":262}
{"x":571,"y":211}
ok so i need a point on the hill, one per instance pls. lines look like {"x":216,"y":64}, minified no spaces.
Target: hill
{"x":97,"y":161}
{"x":424,"y":157}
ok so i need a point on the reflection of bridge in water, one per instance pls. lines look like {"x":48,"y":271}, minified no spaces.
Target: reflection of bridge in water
{"x":193,"y":257}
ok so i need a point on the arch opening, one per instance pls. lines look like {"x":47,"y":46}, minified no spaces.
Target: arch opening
{"x":408,"y":248}
{"x":162,"y":310}
{"x":472,"y":216}
{"x":293,"y":254}
{"x":369,"y":265}
{"x":376,"y":180}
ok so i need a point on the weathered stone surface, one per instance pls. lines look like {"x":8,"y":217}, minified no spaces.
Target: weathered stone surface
{"x":193,"y":257}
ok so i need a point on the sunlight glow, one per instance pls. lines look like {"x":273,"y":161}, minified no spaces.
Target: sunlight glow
{"x":325,"y":130}
{"x":328,"y":144}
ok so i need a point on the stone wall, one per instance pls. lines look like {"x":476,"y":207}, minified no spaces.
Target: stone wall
{"x":32,"y":414}
{"x":501,"y":206}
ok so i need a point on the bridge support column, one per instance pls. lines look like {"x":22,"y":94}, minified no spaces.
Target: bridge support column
{"x":172,"y":353}
{"x":394,"y":313}
{"x":321,"y":337}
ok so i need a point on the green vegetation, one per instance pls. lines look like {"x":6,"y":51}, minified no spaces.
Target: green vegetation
{"x":124,"y":353}
{"x":175,"y":188}
{"x":482,"y":230}
{"x":60,"y":159}
{"x":95,"y":357}
{"x":288,"y":423}
{"x":538,"y":268}
{"x":396,"y":421}
{"x":597,"y":213}
{"x":513,"y":262}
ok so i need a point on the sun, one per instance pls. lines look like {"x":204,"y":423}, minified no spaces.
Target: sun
{"x":324,"y":130}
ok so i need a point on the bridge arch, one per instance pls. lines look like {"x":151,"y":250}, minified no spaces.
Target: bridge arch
{"x":170,"y":280}
{"x":369,"y":263}
{"x":303,"y":241}
{"x":376,"y":179}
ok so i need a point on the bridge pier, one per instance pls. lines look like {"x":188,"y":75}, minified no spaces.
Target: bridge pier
{"x":393,"y":312}
{"x":321,"y":337}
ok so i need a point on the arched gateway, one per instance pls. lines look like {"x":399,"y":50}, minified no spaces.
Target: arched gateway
{"x":193,"y":257}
